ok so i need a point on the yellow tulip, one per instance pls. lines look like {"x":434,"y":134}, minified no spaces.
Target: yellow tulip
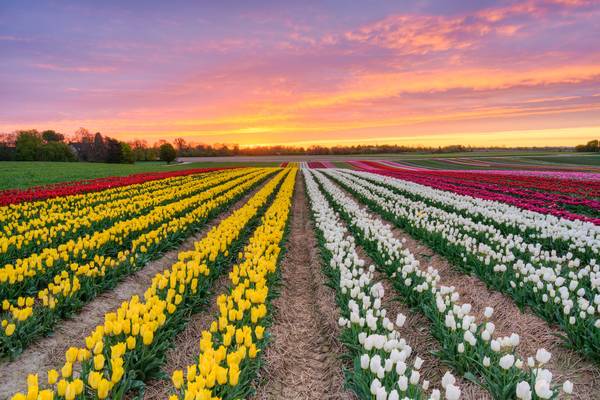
{"x":10,"y":329}
{"x":52,"y":376}
{"x":177,"y":379}
{"x":103,"y":389}
{"x":46,"y":395}
{"x":67,"y":370}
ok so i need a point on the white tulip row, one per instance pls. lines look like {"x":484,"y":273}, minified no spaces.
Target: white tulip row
{"x":509,"y":246}
{"x":564,"y":294}
{"x":384,"y":359}
{"x":581,"y":237}
{"x":468,"y":345}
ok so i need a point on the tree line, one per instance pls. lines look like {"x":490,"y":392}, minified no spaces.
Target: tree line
{"x":31,"y":145}
{"x":592,"y":146}
{"x":49,"y":145}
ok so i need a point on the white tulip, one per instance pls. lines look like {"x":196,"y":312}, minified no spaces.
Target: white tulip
{"x":452,"y":392}
{"x":543,"y":356}
{"x":568,"y":387}
{"x":507,"y":361}
{"x":523,"y":391}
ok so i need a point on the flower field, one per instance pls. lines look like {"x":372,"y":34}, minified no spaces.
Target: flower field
{"x":415,"y":284}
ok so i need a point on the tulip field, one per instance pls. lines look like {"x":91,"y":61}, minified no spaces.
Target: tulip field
{"x":405,"y":283}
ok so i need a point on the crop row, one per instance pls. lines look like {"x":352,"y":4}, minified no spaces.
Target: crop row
{"x":230,"y":349}
{"x":384,"y":365}
{"x":557,"y":288}
{"x":129,"y":347}
{"x":34,"y":271}
{"x":468,"y":345}
{"x":49,"y":230}
{"x":29,"y":196}
{"x":35,"y":315}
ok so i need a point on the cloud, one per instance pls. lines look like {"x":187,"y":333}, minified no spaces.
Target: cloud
{"x":421,"y":34}
{"x":80,"y":69}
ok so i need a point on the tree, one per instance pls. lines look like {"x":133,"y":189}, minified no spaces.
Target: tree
{"x":52,"y":136}
{"x":181,"y":145}
{"x":591,"y":146}
{"x":55,"y":151}
{"x":112,"y":150}
{"x":167,"y":152}
{"x":100,"y":149}
{"x":27,"y":145}
{"x":127,"y":156}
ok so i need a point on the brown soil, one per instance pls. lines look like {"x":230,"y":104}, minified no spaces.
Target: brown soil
{"x":49,"y":352}
{"x":534,"y":332}
{"x":302,"y":359}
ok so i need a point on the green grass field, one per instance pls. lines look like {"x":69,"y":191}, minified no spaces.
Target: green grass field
{"x":23,"y":174}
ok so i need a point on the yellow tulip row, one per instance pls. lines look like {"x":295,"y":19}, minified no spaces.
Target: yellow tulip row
{"x":58,"y":209}
{"x":31,"y":233}
{"x":234,"y":338}
{"x":65,"y":286}
{"x":135,"y":335}
{"x":14,"y":279}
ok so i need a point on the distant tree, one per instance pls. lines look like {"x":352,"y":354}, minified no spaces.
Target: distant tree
{"x":27,"y":145}
{"x":167,"y":153}
{"x":591,"y":146}
{"x":112,"y":149}
{"x":127,"y":156}
{"x":56,"y":151}
{"x":52,"y":136}
{"x":100,"y":149}
{"x":181,"y":145}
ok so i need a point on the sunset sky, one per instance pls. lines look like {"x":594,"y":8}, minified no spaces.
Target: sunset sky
{"x":305,"y":72}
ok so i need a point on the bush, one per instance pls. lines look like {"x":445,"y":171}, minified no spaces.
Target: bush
{"x":167,"y":153}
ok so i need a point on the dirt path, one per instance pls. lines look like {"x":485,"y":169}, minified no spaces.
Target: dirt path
{"x":49,"y":352}
{"x":302,"y":362}
{"x":534,"y":332}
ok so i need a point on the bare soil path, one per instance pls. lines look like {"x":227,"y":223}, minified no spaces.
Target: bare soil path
{"x":49,"y":352}
{"x":302,"y":359}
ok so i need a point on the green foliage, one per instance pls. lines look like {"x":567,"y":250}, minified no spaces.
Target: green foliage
{"x":591,"y":146}
{"x":52,"y":136}
{"x":27,"y":145}
{"x":167,"y":153}
{"x":47,"y":146}
{"x":127,"y":156}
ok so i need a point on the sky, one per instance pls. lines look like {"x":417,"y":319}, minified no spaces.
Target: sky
{"x":262,"y":72}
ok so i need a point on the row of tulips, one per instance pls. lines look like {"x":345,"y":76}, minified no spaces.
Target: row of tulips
{"x":16,"y":196}
{"x":546,"y":233}
{"x":129,"y":347}
{"x":384,"y":366}
{"x":556,"y":288}
{"x":70,"y":289}
{"x":468,"y":345}
{"x":30,"y":239}
{"x":584,"y":185}
{"x":17,"y":218}
{"x":564,"y":206}
{"x":31,"y":273}
{"x":230,"y":349}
